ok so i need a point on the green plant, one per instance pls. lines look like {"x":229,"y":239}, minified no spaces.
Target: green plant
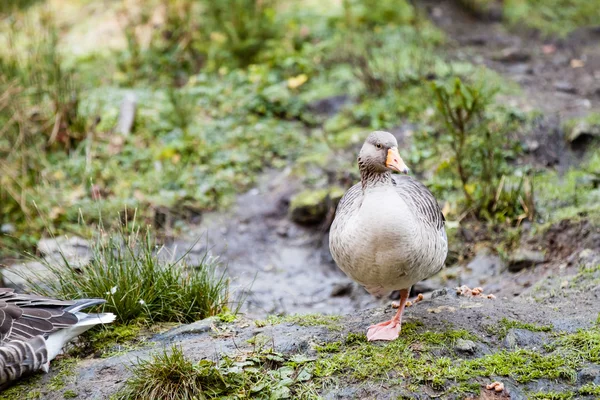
{"x":239,"y":29}
{"x":134,"y":275}
{"x":167,"y":52}
{"x":39,"y":100}
{"x":552,"y":17}
{"x":169,"y":375}
{"x":479,"y":144}
{"x":370,"y":13}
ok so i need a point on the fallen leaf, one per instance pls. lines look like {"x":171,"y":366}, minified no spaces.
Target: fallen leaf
{"x":297,"y":81}
{"x":575,"y":63}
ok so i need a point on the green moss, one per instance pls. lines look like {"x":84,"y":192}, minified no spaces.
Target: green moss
{"x":552,"y":17}
{"x":501,"y":329}
{"x":23,"y":389}
{"x":583,"y":344}
{"x":590,"y":389}
{"x":552,"y":396}
{"x":262,"y":374}
{"x":420,"y":357}
{"x":332,"y":347}
{"x":227,"y":316}
{"x":331,"y":322}
{"x":65,"y":368}
{"x":70,"y":394}
{"x":113,"y":339}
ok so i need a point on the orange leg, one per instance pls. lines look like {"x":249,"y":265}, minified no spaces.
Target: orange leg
{"x":389,"y":330}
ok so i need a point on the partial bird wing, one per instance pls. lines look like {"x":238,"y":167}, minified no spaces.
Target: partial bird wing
{"x":19,"y":358}
{"x":24,"y":316}
{"x":34,"y":329}
{"x":420,"y":199}
{"x":352,"y":195}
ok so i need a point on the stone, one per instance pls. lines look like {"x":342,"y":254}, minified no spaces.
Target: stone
{"x":311,"y":206}
{"x":589,"y":375}
{"x":16,"y":276}
{"x":75,"y":250}
{"x":564,"y":86}
{"x":7,"y":229}
{"x":341,"y":289}
{"x":512,"y":55}
{"x":445,"y":292}
{"x":524,"y":258}
{"x":465,"y":346}
{"x":194,"y":328}
{"x":484,"y":265}
{"x":583,"y":131}
{"x":523,"y":338}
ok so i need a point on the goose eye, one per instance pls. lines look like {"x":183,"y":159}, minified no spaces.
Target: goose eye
{"x":379,"y":146}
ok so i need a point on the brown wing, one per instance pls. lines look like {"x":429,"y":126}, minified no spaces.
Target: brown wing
{"x":25,"y":316}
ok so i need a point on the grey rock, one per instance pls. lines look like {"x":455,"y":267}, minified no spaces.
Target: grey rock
{"x":512,"y":55}
{"x":513,"y":390}
{"x":341,"y":289}
{"x":75,"y":250}
{"x":482,"y":267}
{"x":583,"y":130}
{"x":445,"y":292}
{"x":197,"y":327}
{"x":465,"y":346}
{"x":16,"y":276}
{"x":524,"y":258}
{"x":564,"y":86}
{"x":589,"y":375}
{"x":522,"y":338}
{"x":7,"y":228}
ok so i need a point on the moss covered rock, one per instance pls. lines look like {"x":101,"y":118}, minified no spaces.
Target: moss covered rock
{"x":312,"y":205}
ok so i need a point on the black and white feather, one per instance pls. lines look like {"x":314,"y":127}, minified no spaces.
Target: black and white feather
{"x":34,"y":329}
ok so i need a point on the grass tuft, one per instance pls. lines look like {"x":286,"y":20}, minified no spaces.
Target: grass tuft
{"x":132,"y":273}
{"x":169,"y":375}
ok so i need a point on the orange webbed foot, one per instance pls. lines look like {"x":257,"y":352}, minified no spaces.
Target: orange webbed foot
{"x":388,"y":330}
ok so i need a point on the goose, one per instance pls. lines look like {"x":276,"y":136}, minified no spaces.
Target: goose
{"x":34,"y":329}
{"x":388,"y":231}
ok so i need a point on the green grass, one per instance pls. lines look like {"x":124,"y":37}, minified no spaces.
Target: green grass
{"x":169,"y":375}
{"x":331,"y":322}
{"x":418,"y":358}
{"x":139,"y":280}
{"x":554,"y":17}
{"x":505,"y":324}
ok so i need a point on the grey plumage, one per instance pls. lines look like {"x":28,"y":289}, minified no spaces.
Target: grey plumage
{"x":33,"y":330}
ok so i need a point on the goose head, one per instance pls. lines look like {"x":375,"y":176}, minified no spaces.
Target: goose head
{"x":379,"y":155}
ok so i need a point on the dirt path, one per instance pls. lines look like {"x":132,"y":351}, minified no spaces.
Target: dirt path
{"x":558,"y":76}
{"x":277,"y":266}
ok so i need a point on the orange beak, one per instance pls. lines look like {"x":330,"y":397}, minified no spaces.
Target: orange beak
{"x":395,"y":162}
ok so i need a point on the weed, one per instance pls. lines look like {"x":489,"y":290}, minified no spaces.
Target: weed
{"x":478,"y":145}
{"x":132,"y":273}
{"x":555,"y":17}
{"x":239,"y":29}
{"x":169,"y":375}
